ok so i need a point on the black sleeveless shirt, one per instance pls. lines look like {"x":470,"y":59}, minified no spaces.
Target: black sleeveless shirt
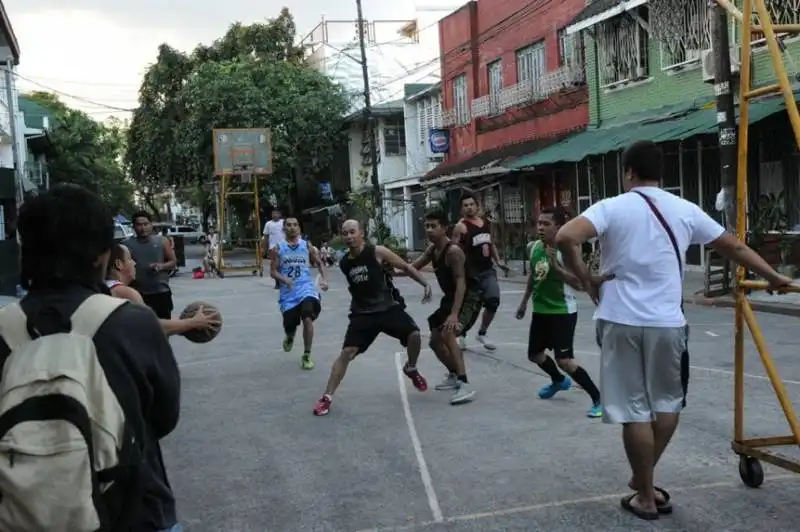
{"x":369,"y":286}
{"x":477,"y":246}
{"x":444,"y":275}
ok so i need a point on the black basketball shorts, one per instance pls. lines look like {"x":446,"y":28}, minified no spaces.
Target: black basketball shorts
{"x":308,"y":308}
{"x":363,"y":329}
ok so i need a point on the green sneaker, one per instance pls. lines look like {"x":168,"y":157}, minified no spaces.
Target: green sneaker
{"x":306,"y":362}
{"x":288,"y":343}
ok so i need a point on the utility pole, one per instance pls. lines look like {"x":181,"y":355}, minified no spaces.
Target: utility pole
{"x":369,"y":119}
{"x":726,"y":109}
{"x":726,"y":120}
{"x":15,"y":149}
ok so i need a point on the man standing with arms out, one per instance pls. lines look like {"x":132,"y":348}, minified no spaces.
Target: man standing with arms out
{"x":555,"y":314}
{"x":459,"y":308}
{"x":299,"y":299}
{"x":475,"y":236}
{"x":373,"y":309}
{"x":644,"y":234}
{"x":273,"y":235}
{"x":154,"y":259}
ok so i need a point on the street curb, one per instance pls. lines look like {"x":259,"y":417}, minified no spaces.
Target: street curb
{"x":757,"y":306}
{"x":700,"y":300}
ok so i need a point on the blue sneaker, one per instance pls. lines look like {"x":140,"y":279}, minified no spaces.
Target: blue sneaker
{"x":554,"y":387}
{"x":596,"y":411}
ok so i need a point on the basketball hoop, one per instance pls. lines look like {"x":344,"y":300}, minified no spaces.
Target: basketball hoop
{"x":246,"y":177}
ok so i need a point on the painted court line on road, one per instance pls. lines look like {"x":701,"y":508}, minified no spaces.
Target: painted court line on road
{"x":433,"y":500}
{"x":563,"y":503}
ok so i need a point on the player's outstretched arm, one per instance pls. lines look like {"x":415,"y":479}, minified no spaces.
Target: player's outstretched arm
{"x":384,"y":254}
{"x":422,"y":261}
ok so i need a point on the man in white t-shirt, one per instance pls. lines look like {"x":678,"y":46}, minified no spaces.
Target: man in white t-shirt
{"x":273,"y":233}
{"x":641,"y":326}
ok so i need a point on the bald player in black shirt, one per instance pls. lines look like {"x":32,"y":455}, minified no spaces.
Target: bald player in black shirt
{"x":374,"y":309}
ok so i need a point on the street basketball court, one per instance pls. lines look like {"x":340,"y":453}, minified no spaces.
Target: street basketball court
{"x":249,"y":456}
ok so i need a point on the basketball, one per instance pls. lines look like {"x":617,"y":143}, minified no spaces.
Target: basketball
{"x":202,"y":336}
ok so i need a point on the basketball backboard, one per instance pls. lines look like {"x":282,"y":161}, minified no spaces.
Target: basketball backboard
{"x":239,"y":151}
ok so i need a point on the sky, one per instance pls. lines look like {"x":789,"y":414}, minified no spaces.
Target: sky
{"x":94,"y":52}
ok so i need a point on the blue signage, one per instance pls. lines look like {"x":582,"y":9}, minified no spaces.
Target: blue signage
{"x":325,"y":191}
{"x":439,"y":140}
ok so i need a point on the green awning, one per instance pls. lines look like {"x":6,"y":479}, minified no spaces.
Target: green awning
{"x":678,"y":126}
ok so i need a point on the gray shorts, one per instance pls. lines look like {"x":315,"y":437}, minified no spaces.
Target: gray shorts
{"x":643,"y":371}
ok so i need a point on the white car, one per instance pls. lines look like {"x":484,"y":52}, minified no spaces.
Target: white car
{"x":190,"y":234}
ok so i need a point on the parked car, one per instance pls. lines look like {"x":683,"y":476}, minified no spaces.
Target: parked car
{"x":191,"y":235}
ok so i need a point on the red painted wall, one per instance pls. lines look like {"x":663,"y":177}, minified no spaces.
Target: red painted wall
{"x":484,"y":31}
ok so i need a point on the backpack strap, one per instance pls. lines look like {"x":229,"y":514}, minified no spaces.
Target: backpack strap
{"x":93,"y":312}
{"x":14,"y":326}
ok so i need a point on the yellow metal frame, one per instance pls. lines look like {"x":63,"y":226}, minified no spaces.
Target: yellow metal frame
{"x":258,"y":267}
{"x":751,"y":450}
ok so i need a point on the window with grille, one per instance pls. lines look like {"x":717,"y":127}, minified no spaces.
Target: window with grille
{"x":570,"y":49}
{"x":394,"y":137}
{"x":495,"y":73}
{"x":622,"y":48}
{"x":421,"y":123}
{"x":460,"y":101}
{"x":532,"y":66}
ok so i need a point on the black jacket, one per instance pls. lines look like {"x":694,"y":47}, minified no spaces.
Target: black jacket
{"x":141,"y":370}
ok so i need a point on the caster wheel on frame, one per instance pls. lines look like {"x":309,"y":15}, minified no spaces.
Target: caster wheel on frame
{"x":750,"y":471}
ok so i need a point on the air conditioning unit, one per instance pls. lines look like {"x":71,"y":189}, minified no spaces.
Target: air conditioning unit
{"x":707,"y":64}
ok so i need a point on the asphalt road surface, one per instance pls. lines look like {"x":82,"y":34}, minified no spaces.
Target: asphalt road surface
{"x":249,"y":455}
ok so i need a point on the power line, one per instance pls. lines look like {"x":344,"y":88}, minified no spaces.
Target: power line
{"x":74,"y":97}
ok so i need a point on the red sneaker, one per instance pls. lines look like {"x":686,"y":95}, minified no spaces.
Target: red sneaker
{"x":417,"y":379}
{"x":323,"y":406}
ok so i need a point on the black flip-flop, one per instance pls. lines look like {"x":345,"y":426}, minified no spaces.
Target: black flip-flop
{"x":666,"y":507}
{"x":626,"y":504}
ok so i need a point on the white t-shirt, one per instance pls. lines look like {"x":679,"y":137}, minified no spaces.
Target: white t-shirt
{"x":648,"y":289}
{"x":274,"y":231}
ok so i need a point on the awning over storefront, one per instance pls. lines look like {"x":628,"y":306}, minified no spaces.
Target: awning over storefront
{"x":661,"y":126}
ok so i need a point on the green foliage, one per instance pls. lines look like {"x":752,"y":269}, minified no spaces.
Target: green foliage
{"x":87,"y":152}
{"x":253,"y":76}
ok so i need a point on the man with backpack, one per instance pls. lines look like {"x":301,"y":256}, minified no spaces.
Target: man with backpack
{"x":89,"y":384}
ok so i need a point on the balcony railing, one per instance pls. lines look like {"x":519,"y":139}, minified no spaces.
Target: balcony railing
{"x":481,"y":106}
{"x":528,"y":92}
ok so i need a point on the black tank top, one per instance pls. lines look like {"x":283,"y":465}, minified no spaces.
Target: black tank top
{"x":477,"y":245}
{"x":369,"y":286}
{"x":444,"y":275}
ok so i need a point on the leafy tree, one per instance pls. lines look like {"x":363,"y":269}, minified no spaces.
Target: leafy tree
{"x":87,"y":152}
{"x":253,"y":76}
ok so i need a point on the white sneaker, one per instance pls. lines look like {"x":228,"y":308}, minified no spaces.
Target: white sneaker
{"x":450,"y":382}
{"x":486,"y":342}
{"x":463,"y":394}
{"x":462,"y":342}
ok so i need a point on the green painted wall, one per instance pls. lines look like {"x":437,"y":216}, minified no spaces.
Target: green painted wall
{"x":665,"y":88}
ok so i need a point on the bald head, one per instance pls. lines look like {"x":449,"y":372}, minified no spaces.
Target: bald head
{"x":352,"y":234}
{"x":351,"y":224}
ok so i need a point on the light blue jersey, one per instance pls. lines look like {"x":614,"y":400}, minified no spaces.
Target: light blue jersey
{"x":294,"y":264}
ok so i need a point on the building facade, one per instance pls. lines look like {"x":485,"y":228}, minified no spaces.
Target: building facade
{"x":650,"y":73}
{"x":10,"y":138}
{"x":513,"y":81}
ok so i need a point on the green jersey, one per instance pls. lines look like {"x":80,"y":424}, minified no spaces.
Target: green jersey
{"x":551,"y":295}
